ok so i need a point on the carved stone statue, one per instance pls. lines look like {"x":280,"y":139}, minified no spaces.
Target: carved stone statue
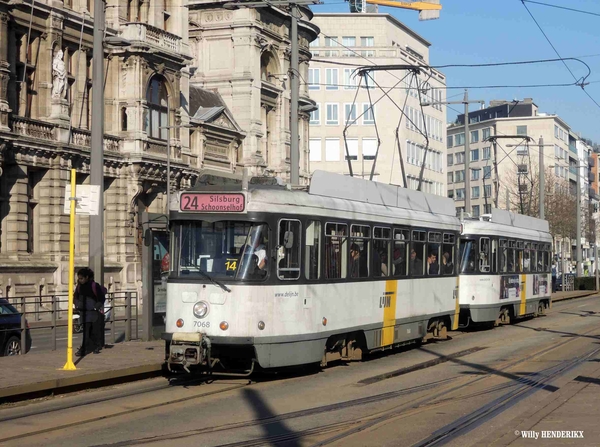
{"x":59,"y":76}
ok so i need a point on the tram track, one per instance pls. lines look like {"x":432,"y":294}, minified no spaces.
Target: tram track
{"x":405,"y":409}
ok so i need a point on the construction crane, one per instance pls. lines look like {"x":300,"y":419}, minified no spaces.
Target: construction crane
{"x":428,"y":9}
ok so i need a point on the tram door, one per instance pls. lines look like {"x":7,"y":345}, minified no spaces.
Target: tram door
{"x":160,"y":271}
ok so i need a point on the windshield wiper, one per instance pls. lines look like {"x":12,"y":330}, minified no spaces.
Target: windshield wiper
{"x":214,"y":281}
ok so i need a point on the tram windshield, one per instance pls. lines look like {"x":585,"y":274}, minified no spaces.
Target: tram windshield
{"x":468,"y":256}
{"x":231,"y":250}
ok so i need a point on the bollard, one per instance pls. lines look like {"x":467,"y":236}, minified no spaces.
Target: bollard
{"x":112,"y":319}
{"x":23,"y":328}
{"x":128,"y":316}
{"x":53,"y":323}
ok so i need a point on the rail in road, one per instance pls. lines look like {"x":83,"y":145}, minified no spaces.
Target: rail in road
{"x":483,"y":374}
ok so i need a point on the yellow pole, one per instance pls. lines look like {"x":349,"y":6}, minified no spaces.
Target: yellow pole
{"x":70,"y":366}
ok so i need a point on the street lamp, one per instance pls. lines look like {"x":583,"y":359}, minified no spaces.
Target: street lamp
{"x":96,"y":237}
{"x":169,"y":159}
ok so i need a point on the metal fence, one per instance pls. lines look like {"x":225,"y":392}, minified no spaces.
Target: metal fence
{"x":51,"y":311}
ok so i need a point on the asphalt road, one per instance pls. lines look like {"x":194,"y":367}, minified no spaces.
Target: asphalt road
{"x":473,"y":390}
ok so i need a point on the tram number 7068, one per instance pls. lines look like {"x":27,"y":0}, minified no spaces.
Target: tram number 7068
{"x":205,"y":324}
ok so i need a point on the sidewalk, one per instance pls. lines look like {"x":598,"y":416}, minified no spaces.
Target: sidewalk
{"x":29,"y":376}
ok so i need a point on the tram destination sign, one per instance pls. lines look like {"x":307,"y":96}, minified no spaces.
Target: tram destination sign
{"x":203,"y":202}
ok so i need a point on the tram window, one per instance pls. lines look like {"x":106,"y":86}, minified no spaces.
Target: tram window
{"x":381,"y":251}
{"x":312,"y":263}
{"x":417,"y":253}
{"x":447,"y":259}
{"x":527,"y":258}
{"x":512,"y":246}
{"x":484,"y":255}
{"x":433,"y":253}
{"x":519,"y":256}
{"x":288,"y":249}
{"x":401,"y":243}
{"x":503,"y":256}
{"x":468,"y":256}
{"x":360,"y":251}
{"x":336,"y":250}
{"x":494,"y":258}
{"x":547,"y":259}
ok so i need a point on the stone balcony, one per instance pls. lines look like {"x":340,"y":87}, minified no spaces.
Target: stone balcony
{"x":42,"y":130}
{"x":143,"y":33}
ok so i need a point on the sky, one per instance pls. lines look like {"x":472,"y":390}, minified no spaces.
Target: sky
{"x":491,"y":31}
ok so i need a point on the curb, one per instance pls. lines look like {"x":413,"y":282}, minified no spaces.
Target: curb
{"x":85,"y":381}
{"x":583,"y":294}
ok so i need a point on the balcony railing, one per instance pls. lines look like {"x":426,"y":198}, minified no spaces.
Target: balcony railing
{"x":142,"y":32}
{"x":82,"y":137}
{"x":33,"y":128}
{"x":572,"y":148}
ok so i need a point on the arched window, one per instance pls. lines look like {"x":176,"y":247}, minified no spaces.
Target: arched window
{"x":123,"y":119}
{"x":158,"y":103}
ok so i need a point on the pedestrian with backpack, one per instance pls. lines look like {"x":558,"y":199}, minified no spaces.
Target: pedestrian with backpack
{"x":89,"y":300}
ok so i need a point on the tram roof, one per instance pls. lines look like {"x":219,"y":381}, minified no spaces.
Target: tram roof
{"x":509,"y":224}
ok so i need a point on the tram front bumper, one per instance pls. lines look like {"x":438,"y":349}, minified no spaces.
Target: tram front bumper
{"x":188,"y":349}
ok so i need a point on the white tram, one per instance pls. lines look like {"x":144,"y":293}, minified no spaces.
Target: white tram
{"x":504,"y":268}
{"x":268,"y":275}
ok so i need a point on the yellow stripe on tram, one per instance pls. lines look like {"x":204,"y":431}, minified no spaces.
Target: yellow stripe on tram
{"x":456,"y":304}
{"x":523,"y":295}
{"x":388,"y":301}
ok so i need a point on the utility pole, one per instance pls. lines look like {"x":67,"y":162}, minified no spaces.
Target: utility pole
{"x":542,"y":178}
{"x":466,"y":103}
{"x":96,"y":237}
{"x":294,"y":74}
{"x":467,"y":155}
{"x":578,"y":242}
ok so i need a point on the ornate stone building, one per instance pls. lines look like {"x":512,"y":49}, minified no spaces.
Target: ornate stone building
{"x":45,"y":105}
{"x":245,"y":55}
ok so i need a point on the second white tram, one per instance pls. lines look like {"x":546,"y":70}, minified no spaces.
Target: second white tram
{"x":505,"y":262}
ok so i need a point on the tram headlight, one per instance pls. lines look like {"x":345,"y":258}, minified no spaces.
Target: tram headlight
{"x":201,"y":309}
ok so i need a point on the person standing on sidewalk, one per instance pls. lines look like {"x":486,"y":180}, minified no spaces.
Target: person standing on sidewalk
{"x":553,"y":278}
{"x":89,"y":300}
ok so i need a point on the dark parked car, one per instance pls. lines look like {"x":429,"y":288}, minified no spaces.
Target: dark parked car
{"x":10,"y":330}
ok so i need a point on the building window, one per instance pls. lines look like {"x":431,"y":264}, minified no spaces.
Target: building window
{"x":350,"y":113}
{"x":158,"y":105}
{"x":450,"y":177}
{"x":332,"y":149}
{"x":331,"y":75}
{"x":475,"y":155}
{"x":368,"y":114}
{"x":315,"y":116}
{"x":521,"y":130}
{"x":332,"y":114}
{"x":487,"y":153}
{"x":124,"y":119}
{"x":459,"y":176}
{"x":487,"y":172}
{"x":475,"y":210}
{"x":459,"y":139}
{"x":331,"y":41}
{"x":485,"y":133}
{"x":369,"y":148}
{"x":460,"y":158}
{"x":348,"y":41}
{"x":487,"y":191}
{"x":460,"y":194}
{"x":352,"y":145}
{"x":449,"y":141}
{"x":314,"y":79}
{"x":475,"y":192}
{"x":349,"y":80}
{"x":475,"y":174}
{"x":475,"y":136}
{"x":450,"y":158}
{"x":33,"y":180}
{"x":367,"y":42}
{"x":314,"y":147}
{"x":450,"y":193}
{"x":488,"y":208}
